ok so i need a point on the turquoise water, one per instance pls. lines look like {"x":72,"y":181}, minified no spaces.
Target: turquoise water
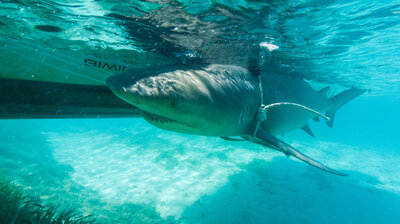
{"x":127,"y":171}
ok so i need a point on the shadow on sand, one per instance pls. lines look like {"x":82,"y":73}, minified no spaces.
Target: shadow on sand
{"x":287,"y":191}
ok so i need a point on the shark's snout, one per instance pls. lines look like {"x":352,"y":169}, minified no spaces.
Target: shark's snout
{"x":124,"y":87}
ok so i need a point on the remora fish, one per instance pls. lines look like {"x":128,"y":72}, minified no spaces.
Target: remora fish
{"x":223,"y":100}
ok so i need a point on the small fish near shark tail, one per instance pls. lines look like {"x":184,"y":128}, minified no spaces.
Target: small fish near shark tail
{"x":341,"y":99}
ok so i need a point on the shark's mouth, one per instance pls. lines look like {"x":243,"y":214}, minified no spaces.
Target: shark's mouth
{"x":155,"y":118}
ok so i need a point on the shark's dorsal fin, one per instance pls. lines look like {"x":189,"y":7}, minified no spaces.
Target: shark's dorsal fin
{"x":307,"y":129}
{"x":324,"y":90}
{"x":264,"y":138}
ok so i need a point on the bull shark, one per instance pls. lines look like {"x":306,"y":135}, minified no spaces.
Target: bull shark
{"x":224,"y":101}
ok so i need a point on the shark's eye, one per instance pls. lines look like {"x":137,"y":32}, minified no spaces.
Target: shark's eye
{"x":172,"y":103}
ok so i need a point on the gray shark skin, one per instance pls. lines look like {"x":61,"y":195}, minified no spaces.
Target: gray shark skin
{"x":222,"y":101}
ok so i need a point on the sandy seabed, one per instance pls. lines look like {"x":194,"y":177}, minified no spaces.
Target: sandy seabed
{"x":139,"y":174}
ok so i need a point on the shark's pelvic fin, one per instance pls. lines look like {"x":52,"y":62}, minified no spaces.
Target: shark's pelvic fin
{"x":307,"y":129}
{"x":339,"y":100}
{"x":232,"y":139}
{"x":266,"y":139}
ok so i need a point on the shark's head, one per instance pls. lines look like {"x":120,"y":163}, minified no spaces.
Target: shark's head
{"x":186,"y":101}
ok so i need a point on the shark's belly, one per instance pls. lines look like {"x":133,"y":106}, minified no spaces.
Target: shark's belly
{"x":282,"y":120}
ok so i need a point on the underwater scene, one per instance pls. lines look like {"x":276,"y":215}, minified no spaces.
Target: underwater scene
{"x":201,"y":111}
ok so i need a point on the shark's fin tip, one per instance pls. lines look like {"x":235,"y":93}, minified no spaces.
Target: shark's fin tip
{"x":266,"y":139}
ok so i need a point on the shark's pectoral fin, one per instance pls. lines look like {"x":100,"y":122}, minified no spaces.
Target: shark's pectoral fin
{"x":232,"y":139}
{"x":266,"y":139}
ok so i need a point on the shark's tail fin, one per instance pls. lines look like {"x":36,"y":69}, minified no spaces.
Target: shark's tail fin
{"x":341,"y":99}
